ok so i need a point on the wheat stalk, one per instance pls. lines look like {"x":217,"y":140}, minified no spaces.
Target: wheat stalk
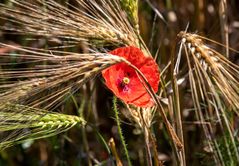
{"x":214,"y":87}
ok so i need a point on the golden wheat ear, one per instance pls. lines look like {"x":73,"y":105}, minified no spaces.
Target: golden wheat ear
{"x":49,"y":75}
{"x":221,"y":75}
{"x":214,"y":88}
{"x":96,"y":22}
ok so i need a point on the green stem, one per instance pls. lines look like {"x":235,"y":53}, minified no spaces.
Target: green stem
{"x":120,"y":130}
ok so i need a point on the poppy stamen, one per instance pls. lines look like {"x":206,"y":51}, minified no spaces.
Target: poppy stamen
{"x":126,"y":80}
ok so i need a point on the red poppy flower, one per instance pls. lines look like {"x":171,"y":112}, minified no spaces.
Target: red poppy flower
{"x":124,"y":81}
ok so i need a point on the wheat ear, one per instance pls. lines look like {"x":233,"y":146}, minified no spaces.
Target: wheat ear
{"x":214,"y":87}
{"x":32,"y":124}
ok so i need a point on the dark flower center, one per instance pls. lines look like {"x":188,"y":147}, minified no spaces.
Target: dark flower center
{"x":124,"y":84}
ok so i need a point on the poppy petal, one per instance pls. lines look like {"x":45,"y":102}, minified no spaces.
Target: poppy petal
{"x":133,"y":91}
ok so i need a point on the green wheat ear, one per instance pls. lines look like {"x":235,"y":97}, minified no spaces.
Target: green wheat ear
{"x":131,"y":8}
{"x":22,"y":123}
